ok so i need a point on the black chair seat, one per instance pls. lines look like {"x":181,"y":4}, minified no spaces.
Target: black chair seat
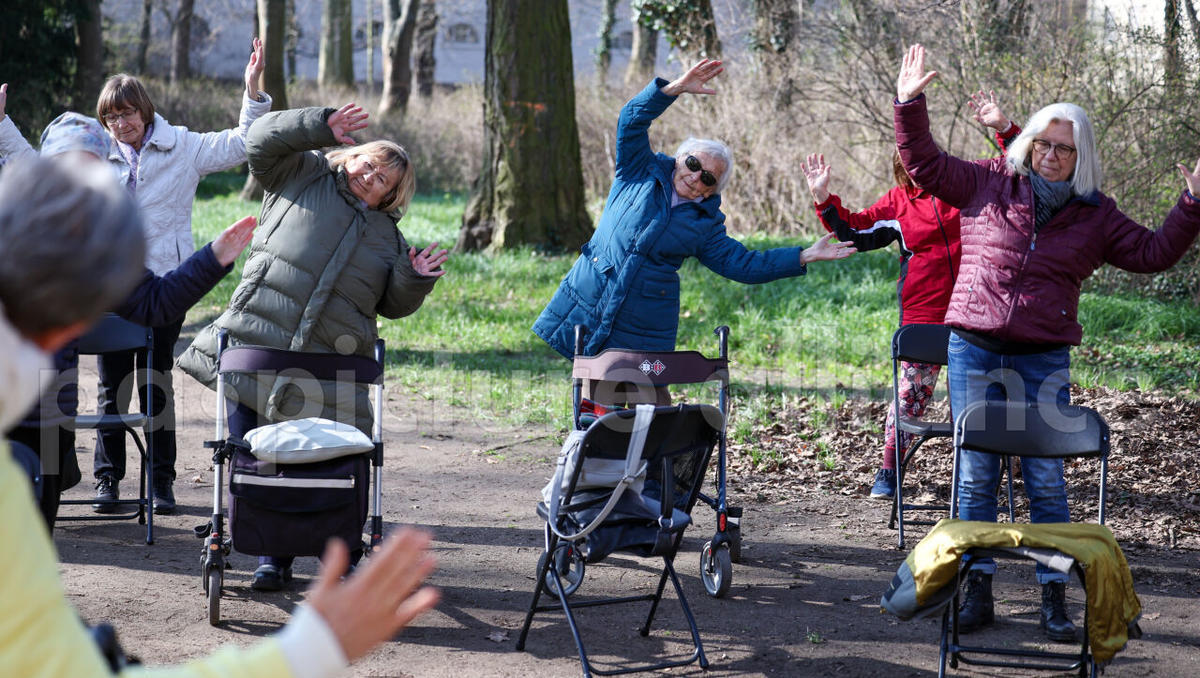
{"x":109,"y":421}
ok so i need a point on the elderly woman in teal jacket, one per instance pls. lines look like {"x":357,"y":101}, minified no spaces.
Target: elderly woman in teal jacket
{"x":624,"y":288}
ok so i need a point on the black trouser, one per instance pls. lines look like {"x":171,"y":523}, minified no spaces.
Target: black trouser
{"x":115,"y":389}
{"x":60,"y":471}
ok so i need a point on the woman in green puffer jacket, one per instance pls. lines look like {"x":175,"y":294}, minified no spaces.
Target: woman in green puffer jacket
{"x":326,"y":261}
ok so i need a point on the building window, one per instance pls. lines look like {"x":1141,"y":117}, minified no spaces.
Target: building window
{"x":462,"y":33}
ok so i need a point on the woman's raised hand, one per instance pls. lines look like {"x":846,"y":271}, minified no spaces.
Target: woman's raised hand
{"x":229,"y":244}
{"x":1192,"y":178}
{"x":347,"y":119}
{"x":254,"y":69}
{"x":827,"y":249}
{"x":817,"y":173}
{"x":428,"y":262}
{"x":693,"y":81}
{"x":987,"y":110}
{"x":381,"y":597}
{"x":913,"y":76}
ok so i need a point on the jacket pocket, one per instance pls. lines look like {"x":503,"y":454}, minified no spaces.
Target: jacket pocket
{"x":653,"y":305}
{"x":588,"y":278}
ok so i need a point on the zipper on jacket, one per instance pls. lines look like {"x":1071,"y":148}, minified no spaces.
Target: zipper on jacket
{"x":945,"y":239}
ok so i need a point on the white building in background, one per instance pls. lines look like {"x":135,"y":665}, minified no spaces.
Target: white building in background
{"x":222,"y":30}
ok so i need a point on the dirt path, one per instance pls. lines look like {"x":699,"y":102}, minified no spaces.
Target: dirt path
{"x":804,"y":602}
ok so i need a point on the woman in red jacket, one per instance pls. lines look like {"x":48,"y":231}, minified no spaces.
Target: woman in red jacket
{"x":1035,"y":226}
{"x":928,"y":232}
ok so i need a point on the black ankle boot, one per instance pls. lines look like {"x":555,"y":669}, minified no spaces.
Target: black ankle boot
{"x":976,"y":610}
{"x":1055,"y":621}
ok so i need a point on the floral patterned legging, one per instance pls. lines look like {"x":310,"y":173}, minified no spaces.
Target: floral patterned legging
{"x":916,"y":382}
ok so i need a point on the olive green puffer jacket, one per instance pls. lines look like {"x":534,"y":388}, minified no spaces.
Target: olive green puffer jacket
{"x":321,"y":267}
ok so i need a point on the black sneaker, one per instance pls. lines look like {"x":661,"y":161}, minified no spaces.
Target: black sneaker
{"x":164,"y":499}
{"x":107,"y":492}
{"x":270,"y":577}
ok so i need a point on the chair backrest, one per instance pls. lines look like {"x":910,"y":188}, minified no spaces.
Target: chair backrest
{"x":685,"y":432}
{"x":921,"y":343}
{"x":1026,"y":430}
{"x":114,"y":333}
{"x":1019,"y":429}
{"x":658,"y":368}
{"x":324,"y":366}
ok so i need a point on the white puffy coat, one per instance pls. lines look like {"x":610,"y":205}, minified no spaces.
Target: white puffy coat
{"x":171,"y":164}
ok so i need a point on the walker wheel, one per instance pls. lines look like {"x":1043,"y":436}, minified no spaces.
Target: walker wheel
{"x":716,"y":570}
{"x":570,"y":566}
{"x":734,"y":534}
{"x":212,"y":586}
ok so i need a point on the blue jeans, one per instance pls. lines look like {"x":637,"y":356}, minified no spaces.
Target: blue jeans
{"x":976,"y":374}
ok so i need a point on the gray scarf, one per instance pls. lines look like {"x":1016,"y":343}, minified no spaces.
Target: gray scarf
{"x":1048,"y":198}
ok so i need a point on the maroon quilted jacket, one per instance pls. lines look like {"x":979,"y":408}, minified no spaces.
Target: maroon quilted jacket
{"x":1016,"y":285}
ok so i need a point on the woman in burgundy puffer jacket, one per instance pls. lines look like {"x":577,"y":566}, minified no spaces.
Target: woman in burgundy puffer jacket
{"x":1034,"y":226}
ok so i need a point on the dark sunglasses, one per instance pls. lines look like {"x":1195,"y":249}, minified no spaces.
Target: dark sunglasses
{"x":694,"y":165}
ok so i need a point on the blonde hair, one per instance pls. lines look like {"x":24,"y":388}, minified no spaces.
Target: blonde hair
{"x":1087,"y":174}
{"x":123,"y":91}
{"x":384,"y":154}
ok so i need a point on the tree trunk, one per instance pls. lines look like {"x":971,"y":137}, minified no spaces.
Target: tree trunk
{"x":272,"y":20}
{"x":335,"y":66}
{"x":144,"y":35}
{"x":776,"y":23}
{"x":704,"y":30}
{"x":1172,"y":58}
{"x":370,"y":35}
{"x":530,"y":187}
{"x":181,"y":42}
{"x":293,"y":38}
{"x":604,"y":47}
{"x":643,"y":57}
{"x":400,"y":21}
{"x":426,"y":40}
{"x":89,"y":42}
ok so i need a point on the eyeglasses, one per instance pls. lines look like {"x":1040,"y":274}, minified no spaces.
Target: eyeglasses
{"x":128,"y":116}
{"x":1061,"y":151}
{"x":693,"y":165}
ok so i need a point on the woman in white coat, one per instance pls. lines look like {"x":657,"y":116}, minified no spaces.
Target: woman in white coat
{"x":161,"y":165}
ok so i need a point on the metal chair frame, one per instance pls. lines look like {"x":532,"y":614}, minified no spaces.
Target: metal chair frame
{"x":114,"y":333}
{"x":1017,"y":429}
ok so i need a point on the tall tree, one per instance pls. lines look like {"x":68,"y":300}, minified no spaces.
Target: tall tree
{"x":335,"y":65}
{"x":776,"y":23}
{"x":426,"y":41}
{"x":89,"y":41}
{"x":181,"y":41}
{"x":608,"y":17}
{"x":144,"y":35}
{"x":1172,"y":57}
{"x":399,"y":24}
{"x":530,"y":187}
{"x":643,"y":55}
{"x":271,"y":21}
{"x":37,"y":37}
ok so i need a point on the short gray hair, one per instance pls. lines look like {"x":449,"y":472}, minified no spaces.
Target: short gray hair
{"x":1088,"y":175}
{"x":716,"y":149}
{"x":71,"y":243}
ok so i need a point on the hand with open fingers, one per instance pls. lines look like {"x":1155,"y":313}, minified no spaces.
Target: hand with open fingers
{"x":987,"y":110}
{"x":347,"y":119}
{"x":693,"y":81}
{"x":382,"y":596}
{"x":1192,"y":179}
{"x":913,"y":77}
{"x":818,"y":174}
{"x":232,"y":241}
{"x":254,"y":68}
{"x":827,"y":249}
{"x":428,"y":262}
{"x":3,"y":98}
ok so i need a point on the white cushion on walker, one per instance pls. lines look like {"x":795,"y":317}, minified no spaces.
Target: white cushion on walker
{"x":302,"y":441}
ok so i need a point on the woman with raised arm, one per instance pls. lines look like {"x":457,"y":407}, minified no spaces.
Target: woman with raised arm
{"x":927,"y":230}
{"x":661,"y":210}
{"x":328,"y":260}
{"x":1034,"y":226}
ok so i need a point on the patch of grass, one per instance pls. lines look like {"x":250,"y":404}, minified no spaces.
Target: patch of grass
{"x":827,"y":332}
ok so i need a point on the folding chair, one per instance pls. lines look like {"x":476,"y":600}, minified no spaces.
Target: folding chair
{"x":919,"y":343}
{"x":1007,"y":428}
{"x":114,"y":333}
{"x":666,"y":451}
